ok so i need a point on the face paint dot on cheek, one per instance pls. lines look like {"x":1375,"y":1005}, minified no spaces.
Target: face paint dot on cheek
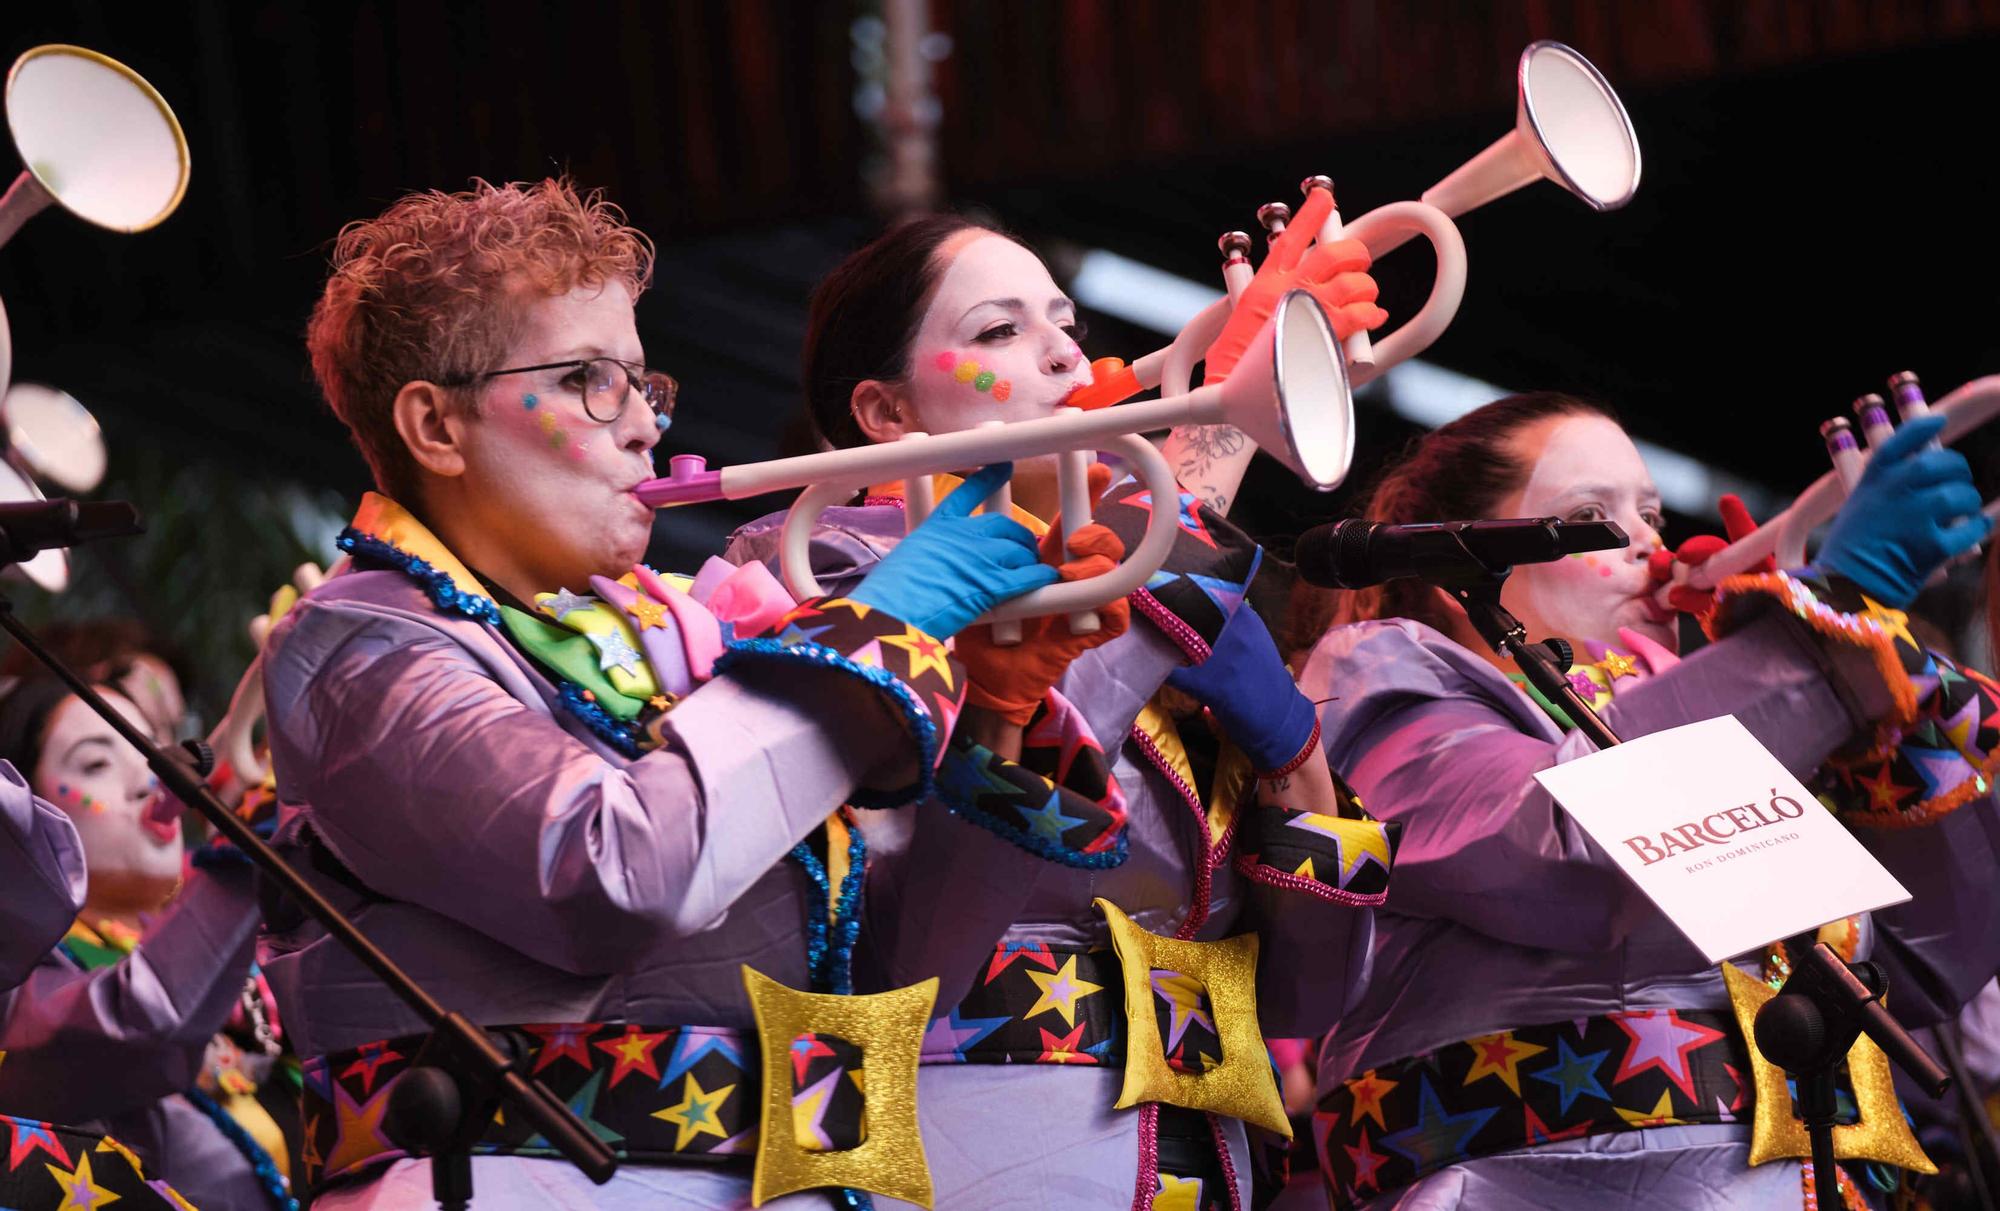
{"x":1002,"y":389}
{"x":529,"y":402}
{"x":946,"y":362}
{"x":967,"y":371}
{"x":1602,"y":570}
{"x":984,"y":382}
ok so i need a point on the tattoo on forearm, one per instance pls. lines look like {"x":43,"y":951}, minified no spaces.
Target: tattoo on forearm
{"x":1201,"y":446}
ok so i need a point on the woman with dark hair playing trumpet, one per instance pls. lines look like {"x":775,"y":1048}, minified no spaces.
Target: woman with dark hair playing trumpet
{"x":1109,"y":1052}
{"x":1536,"y":1034}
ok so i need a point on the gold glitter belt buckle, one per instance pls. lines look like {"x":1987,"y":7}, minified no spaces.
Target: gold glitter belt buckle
{"x":1777,"y":1134}
{"x":1189,"y":976}
{"x":886,"y":1154}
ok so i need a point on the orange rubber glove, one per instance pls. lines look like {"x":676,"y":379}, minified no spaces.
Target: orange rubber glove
{"x":1336,"y":275}
{"x":1012,"y":681}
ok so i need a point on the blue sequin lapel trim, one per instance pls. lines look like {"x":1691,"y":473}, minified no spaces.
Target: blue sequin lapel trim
{"x":438,"y":586}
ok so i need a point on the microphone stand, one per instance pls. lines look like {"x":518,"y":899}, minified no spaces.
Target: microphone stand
{"x":1807,"y":1030}
{"x":1544,"y":664}
{"x":459,"y":1077}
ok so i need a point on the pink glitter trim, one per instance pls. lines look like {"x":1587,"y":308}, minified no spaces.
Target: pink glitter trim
{"x":1149,"y":1157}
{"x":1228,"y":1161}
{"x":1273,"y":877}
{"x":1184,"y":636}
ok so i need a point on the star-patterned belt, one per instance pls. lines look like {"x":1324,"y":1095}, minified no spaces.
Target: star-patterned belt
{"x":50,"y":1168}
{"x":1036,"y":1003}
{"x":1495,"y":1093}
{"x":657,"y":1094}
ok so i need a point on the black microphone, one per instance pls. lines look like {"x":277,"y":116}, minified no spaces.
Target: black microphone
{"x":30,"y":526}
{"x":1355,"y":554}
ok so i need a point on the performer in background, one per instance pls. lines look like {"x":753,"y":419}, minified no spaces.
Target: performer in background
{"x":1535,"y":1033}
{"x":937,"y":326}
{"x":121,"y":1025}
{"x":573,"y":797}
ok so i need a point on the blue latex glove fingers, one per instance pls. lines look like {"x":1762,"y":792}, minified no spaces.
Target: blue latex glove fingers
{"x":1949,"y":500}
{"x":1913,"y":509}
{"x":954,"y":567}
{"x":1910,"y":437}
{"x":973,"y":491}
{"x":1924,"y":469}
{"x":1244,"y":683}
{"x":1965,"y":535}
{"x":1001,"y":531}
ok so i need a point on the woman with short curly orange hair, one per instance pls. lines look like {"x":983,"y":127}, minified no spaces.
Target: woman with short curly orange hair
{"x":574,"y":797}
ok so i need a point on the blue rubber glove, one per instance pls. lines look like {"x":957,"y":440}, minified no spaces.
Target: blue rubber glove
{"x":1914,"y":509}
{"x":1244,"y":683}
{"x":955,"y":567}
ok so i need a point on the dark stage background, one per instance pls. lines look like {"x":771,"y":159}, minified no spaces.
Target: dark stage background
{"x":1817,"y":211}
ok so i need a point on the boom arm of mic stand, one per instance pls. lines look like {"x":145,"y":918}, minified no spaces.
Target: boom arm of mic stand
{"x":1505,"y":634}
{"x":464,"y":1044}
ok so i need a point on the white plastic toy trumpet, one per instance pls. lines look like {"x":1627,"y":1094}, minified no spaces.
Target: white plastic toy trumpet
{"x":1289,"y":393}
{"x":1569,"y":128}
{"x":1785,"y":535}
{"x":96,"y":139}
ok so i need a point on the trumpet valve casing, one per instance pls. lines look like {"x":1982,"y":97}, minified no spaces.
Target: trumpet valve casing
{"x":1274,"y":216}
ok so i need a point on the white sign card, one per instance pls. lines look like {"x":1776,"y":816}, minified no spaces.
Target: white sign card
{"x":1720,"y":836}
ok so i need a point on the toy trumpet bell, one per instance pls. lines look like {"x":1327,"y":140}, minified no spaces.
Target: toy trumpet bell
{"x":1569,"y":127}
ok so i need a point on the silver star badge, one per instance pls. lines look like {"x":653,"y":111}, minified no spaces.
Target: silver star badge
{"x":613,"y":651}
{"x":564,"y":601}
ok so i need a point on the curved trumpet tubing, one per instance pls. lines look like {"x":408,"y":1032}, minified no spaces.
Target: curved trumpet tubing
{"x":1276,"y":395}
{"x":1784,"y":536}
{"x":1570,"y":128}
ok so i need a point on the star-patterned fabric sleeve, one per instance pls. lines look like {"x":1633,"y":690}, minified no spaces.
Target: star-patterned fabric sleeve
{"x":1430,"y":735}
{"x":84,"y":1045}
{"x":1059,"y":801}
{"x":1938,"y":747}
{"x":435,"y":784}
{"x":41,"y":872}
{"x":915,"y":673}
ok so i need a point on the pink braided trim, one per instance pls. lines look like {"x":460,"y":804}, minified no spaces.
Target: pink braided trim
{"x":1228,"y":1161}
{"x":1272,"y":877}
{"x":1306,"y":752}
{"x":1149,"y":1157}
{"x":1184,"y":636}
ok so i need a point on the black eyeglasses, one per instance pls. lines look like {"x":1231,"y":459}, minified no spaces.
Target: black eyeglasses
{"x":602,"y":383}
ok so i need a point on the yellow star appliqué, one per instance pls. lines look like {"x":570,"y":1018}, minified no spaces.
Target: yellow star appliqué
{"x":1061,"y":990}
{"x":1661,"y":1115}
{"x":925,"y":653}
{"x":1618,"y":664}
{"x":648,"y":613}
{"x":80,"y":1190}
{"x":1894,"y":623}
{"x":697,"y":1114}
